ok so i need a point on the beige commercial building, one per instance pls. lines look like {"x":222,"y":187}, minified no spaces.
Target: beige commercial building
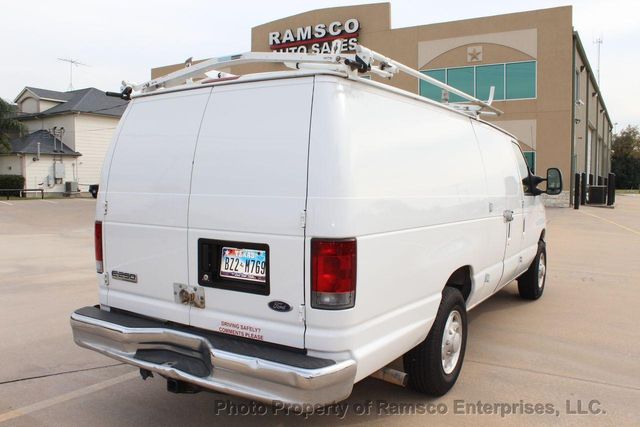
{"x":535,"y":61}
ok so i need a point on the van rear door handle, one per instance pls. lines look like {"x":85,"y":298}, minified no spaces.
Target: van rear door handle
{"x":508,"y":215}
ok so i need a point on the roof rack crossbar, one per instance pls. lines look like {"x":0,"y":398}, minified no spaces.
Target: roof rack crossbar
{"x":391,"y":66}
{"x":199,"y":70}
{"x":364,"y":60}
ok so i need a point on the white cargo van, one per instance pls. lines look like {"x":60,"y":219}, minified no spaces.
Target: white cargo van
{"x":281,"y":236}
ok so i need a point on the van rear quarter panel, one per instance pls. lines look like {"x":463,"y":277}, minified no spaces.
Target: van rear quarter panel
{"x":406,"y":179}
{"x":103,"y":289}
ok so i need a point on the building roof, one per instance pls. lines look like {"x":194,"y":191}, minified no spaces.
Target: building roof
{"x":88,"y":100}
{"x":29,"y":145}
{"x":53,"y":95}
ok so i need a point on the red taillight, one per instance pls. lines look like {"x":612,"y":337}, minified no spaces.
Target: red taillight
{"x":333,"y":273}
{"x":98,"y":243}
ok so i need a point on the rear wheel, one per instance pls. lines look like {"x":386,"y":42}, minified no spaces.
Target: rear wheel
{"x":531,"y":283}
{"x":433,"y":365}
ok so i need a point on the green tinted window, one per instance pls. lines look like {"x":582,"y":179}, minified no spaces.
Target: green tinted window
{"x":521,"y":80}
{"x":530,"y":157}
{"x":429,"y":90}
{"x":487,"y":76}
{"x":511,"y":81}
{"x":461,"y":79}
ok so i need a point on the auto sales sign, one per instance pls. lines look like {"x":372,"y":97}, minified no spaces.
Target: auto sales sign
{"x":316,"y":38}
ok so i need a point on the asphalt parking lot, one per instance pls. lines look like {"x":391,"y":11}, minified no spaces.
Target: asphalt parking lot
{"x":576,"y":351}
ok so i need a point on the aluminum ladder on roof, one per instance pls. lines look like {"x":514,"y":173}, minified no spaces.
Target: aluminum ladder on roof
{"x":363,"y":61}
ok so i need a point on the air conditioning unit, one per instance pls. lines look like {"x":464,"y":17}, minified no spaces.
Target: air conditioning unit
{"x":597,"y":194}
{"x":71,"y":186}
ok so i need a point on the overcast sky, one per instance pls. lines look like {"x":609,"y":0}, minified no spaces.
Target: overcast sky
{"x":125,"y":39}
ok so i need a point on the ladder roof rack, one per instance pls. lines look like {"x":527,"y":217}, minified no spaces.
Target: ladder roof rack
{"x":363,"y":61}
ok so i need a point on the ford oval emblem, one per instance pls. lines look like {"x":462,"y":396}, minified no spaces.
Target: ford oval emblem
{"x":280,"y":306}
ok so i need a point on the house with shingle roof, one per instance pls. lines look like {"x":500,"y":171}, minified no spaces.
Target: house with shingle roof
{"x":42,"y":159}
{"x":82,"y":120}
{"x":41,"y":142}
{"x":35,"y":101}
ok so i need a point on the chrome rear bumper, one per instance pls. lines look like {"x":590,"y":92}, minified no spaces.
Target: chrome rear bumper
{"x":287,"y":378}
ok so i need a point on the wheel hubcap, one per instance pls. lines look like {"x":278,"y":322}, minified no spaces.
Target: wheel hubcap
{"x":451,"y":342}
{"x":542,"y":270}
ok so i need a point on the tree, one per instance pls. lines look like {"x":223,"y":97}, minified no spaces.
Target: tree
{"x":9,"y":126}
{"x":625,"y":160}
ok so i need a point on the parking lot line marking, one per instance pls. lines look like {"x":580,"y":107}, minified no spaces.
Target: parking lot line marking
{"x":6,"y":203}
{"x":55,"y":374}
{"x":612,"y":222}
{"x":48,"y":201}
{"x":16,"y":413}
{"x":551,"y":374}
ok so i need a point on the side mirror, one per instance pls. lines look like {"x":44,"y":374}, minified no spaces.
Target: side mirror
{"x":554,"y":181}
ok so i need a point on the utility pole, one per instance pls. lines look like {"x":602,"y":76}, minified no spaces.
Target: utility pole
{"x":72,"y":63}
{"x":599,"y":41}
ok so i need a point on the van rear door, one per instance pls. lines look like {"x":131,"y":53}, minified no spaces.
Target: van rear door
{"x":246,"y":211}
{"x":147,"y":192}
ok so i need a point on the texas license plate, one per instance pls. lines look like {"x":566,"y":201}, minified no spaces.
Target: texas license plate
{"x":244,"y":264}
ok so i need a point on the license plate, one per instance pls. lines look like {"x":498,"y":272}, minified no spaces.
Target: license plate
{"x":244,"y":264}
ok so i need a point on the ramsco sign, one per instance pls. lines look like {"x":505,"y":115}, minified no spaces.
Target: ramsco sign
{"x":316,"y":38}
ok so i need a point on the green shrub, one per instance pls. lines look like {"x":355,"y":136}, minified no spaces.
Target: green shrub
{"x":11,"y":182}
{"x":627,"y":170}
{"x":625,"y":160}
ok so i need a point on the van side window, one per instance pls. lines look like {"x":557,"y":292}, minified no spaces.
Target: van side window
{"x":522,"y":167}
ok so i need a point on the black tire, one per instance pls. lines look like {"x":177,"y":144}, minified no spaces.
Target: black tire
{"x":423,"y":364}
{"x":530,"y":284}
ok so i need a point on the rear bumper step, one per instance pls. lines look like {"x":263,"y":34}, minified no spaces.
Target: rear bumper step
{"x":225,"y":364}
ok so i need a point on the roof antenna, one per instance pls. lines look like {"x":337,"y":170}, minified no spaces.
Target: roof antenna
{"x":599,"y":42}
{"x":71,"y":62}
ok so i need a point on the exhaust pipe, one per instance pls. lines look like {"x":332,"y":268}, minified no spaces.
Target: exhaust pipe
{"x":392,"y":376}
{"x":178,"y":387}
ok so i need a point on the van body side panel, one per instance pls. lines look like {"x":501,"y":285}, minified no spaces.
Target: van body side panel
{"x":249,"y":185}
{"x":513,"y":260}
{"x":406,"y":179}
{"x":503,"y":194}
{"x":532,"y":220}
{"x":145,"y":227}
{"x":534,"y":223}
